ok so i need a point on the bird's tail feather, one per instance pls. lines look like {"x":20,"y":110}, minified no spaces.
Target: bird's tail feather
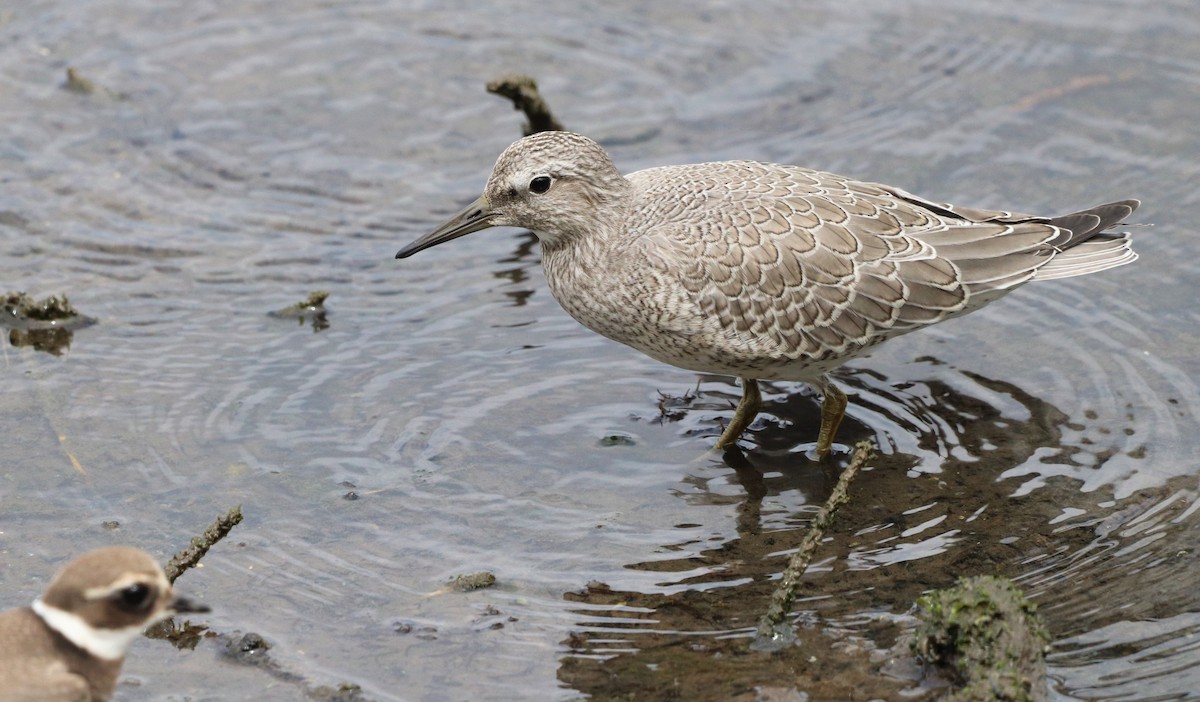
{"x":1084,"y":243}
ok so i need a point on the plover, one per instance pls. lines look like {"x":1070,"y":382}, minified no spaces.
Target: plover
{"x":70,"y":643}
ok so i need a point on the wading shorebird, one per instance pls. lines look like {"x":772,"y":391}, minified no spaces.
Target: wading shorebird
{"x":764,"y":271}
{"x":70,"y":644}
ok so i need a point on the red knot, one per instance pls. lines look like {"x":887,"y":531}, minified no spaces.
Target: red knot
{"x":764,"y":271}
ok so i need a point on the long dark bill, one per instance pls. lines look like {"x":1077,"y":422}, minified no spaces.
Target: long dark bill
{"x":476,"y":216}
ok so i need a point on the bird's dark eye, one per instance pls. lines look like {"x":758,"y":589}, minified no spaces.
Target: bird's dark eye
{"x":135,"y":597}
{"x":540,"y":184}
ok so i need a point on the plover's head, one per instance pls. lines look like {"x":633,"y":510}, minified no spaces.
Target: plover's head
{"x":104,"y":599}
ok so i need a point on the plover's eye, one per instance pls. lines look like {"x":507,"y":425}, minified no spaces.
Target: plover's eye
{"x":540,"y":184}
{"x":135,"y":597}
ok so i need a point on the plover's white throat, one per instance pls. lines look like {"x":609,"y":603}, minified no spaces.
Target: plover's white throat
{"x":763,"y":271}
{"x":70,"y":644}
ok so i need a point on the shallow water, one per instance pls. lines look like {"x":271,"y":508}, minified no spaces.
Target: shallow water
{"x":235,"y":157}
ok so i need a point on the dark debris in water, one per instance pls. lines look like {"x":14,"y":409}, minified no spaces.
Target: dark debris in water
{"x":617,"y":439}
{"x":45,"y":325}
{"x":672,"y":408}
{"x":254,"y":650}
{"x":76,"y":83}
{"x":492,"y":619}
{"x":23,"y":312}
{"x":473,"y":581}
{"x":988,"y":637}
{"x":405,"y":627}
{"x":183,"y":636}
{"x":249,"y":648}
{"x":55,"y":342}
{"x":309,"y":310}
{"x":345,"y":692}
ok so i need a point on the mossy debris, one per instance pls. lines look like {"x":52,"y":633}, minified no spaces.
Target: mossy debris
{"x":76,"y":83}
{"x":987,"y":636}
{"x":473,"y":581}
{"x":311,"y":309}
{"x":23,"y":311}
{"x":45,"y":325}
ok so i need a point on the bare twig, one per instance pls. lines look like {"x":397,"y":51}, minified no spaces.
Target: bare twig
{"x":523,"y":92}
{"x":773,"y":629}
{"x":191,"y":555}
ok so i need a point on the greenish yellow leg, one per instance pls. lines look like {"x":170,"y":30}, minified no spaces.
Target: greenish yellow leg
{"x":745,"y":413}
{"x":833,"y":410}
